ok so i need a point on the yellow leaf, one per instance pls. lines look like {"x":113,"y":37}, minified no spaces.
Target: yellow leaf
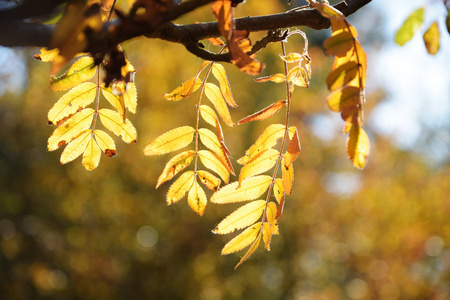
{"x":264,"y":113}
{"x":242,"y":217}
{"x":298,"y":76}
{"x":70,"y":129}
{"x":210,"y":140}
{"x":91,"y":156}
{"x":339,"y":26}
{"x":327,"y":10}
{"x":197,"y":199}
{"x":278,"y":190}
{"x":339,"y":44}
{"x":175,"y":165}
{"x":267,"y":235}
{"x":342,"y":75}
{"x":357,"y":55}
{"x":180,"y":187}
{"x":271,"y":213}
{"x":287,"y":173}
{"x":431,"y":38}
{"x":277,"y":78}
{"x":76,"y":147}
{"x":266,"y":140}
{"x":250,"y":250}
{"x":116,"y":100}
{"x":114,"y":122}
{"x":184,"y":90}
{"x":170,"y":141}
{"x":270,"y":227}
{"x":259,"y":164}
{"x":242,"y":240}
{"x":293,"y":150}
{"x":219,"y":72}
{"x":209,"y":180}
{"x":358,"y":147}
{"x":130,"y":97}
{"x":82,"y":70}
{"x":213,"y":93}
{"x":291,"y":57}
{"x":76,"y":99}
{"x":105,"y":142}
{"x":47,"y":55}
{"x":208,"y":115}
{"x":250,"y":189}
{"x":214,"y":163}
{"x":347,"y":97}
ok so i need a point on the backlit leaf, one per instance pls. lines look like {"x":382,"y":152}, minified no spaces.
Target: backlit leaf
{"x":214,"y":163}
{"x":47,"y":55}
{"x":431,"y":38}
{"x":180,"y":187}
{"x":293,"y":150}
{"x":208,"y":179}
{"x":342,"y":75}
{"x":210,"y":140}
{"x":348,"y":96}
{"x":105,"y":142}
{"x":197,"y":198}
{"x":270,"y":226}
{"x":70,"y":129}
{"x":242,"y":240}
{"x":76,"y":147}
{"x":291,"y":57}
{"x":175,"y":165}
{"x":208,"y":115}
{"x":91,"y":156}
{"x":278,"y":189}
{"x":264,"y":113}
{"x":277,"y":78}
{"x":338,"y":44}
{"x":358,"y":147}
{"x":113,"y":121}
{"x":170,"y":141}
{"x":259,"y":164}
{"x":184,"y":90}
{"x":82,"y":70}
{"x":213,"y":93}
{"x":327,"y":10}
{"x":410,"y":26}
{"x":223,"y":12}
{"x":250,"y":189}
{"x":287,"y":173}
{"x":117,"y":101}
{"x":76,"y":99}
{"x":250,"y":250}
{"x":219,"y":72}
{"x":266,"y":140}
{"x":130,"y":97}
{"x":242,"y":217}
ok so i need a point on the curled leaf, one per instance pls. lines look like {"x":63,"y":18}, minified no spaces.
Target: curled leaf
{"x":184,"y":90}
{"x":264,"y":113}
{"x":209,"y":180}
{"x":277,"y":78}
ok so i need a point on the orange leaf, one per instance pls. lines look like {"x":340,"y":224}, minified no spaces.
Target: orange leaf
{"x":277,"y":78}
{"x":358,"y":147}
{"x":431,"y":38}
{"x":264,"y":113}
{"x":293,"y":150}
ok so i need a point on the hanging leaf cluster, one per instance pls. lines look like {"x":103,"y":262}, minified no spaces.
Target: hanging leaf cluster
{"x":414,"y":22}
{"x":347,"y":81}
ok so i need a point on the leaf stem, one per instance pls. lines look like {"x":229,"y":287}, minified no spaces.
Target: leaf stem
{"x":97,"y":101}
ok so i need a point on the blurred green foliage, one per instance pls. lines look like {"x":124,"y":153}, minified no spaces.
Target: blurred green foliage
{"x":65,"y":233}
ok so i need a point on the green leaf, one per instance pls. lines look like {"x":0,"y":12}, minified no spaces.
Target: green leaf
{"x":410,"y":26}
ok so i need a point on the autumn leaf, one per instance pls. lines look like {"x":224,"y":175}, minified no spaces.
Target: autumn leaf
{"x":105,"y":142}
{"x":431,"y":38}
{"x":342,"y":75}
{"x":208,"y":115}
{"x":242,"y":240}
{"x":47,"y":55}
{"x":197,"y":198}
{"x":278,"y":189}
{"x":327,"y":10}
{"x":287,"y":173}
{"x":214,"y":94}
{"x":184,"y":90}
{"x":242,"y":217}
{"x":223,"y":11}
{"x":117,"y":101}
{"x":91,"y":156}
{"x":70,"y":129}
{"x":264,"y":113}
{"x":348,"y":96}
{"x":277,"y":78}
{"x":209,"y":180}
{"x":76,"y":147}
{"x":291,"y":57}
{"x":114,"y":122}
{"x":250,"y":250}
{"x":219,"y":72}
{"x":293,"y":150}
{"x":175,"y":165}
{"x":410,"y":26}
{"x":76,"y":99}
{"x":170,"y":141}
{"x":259,"y":164}
{"x":358,"y":147}
{"x":338,"y":44}
{"x":214,"y":163}
{"x":180,"y":187}
{"x":210,"y":140}
{"x":82,"y":70}
{"x":249,"y":189}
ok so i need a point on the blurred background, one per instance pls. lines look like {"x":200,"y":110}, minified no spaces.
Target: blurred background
{"x":379,"y":233}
